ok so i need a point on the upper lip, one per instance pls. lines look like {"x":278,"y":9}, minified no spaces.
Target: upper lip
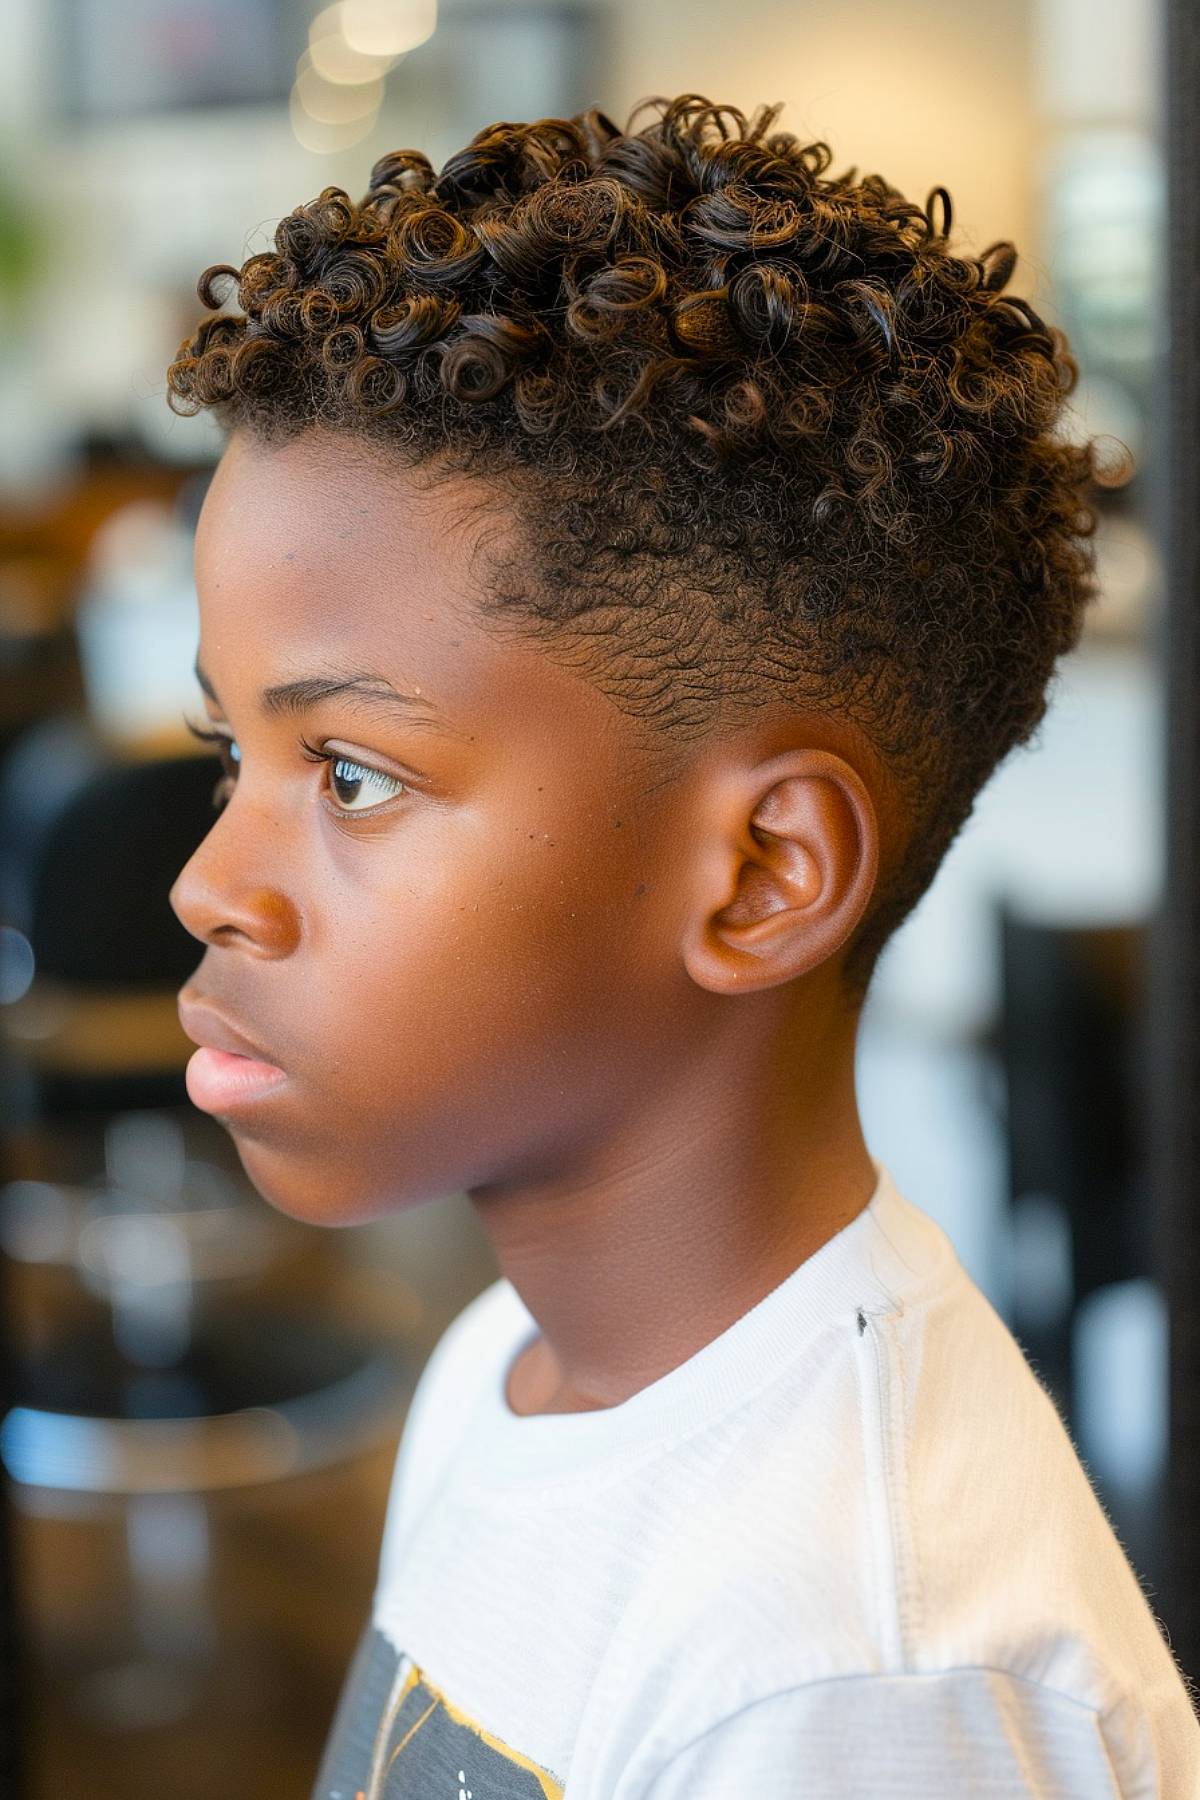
{"x":208,"y":1028}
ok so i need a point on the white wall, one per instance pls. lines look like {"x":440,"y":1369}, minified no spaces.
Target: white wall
{"x":920,"y":91}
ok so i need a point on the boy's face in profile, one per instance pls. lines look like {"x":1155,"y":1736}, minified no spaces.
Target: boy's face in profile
{"x":455,"y":938}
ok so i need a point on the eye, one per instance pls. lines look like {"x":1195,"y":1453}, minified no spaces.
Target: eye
{"x":230,"y":756}
{"x":349,"y":780}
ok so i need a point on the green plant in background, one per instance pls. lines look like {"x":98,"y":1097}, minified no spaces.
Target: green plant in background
{"x":22,"y":248}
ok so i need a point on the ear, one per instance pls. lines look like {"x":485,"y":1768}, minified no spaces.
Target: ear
{"x":787,"y":875}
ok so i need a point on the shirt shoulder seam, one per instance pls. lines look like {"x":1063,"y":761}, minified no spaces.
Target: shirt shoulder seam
{"x":871,"y":1675}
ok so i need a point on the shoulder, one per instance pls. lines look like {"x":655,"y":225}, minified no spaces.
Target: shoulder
{"x":487,"y":1321}
{"x":907,"y":1502}
{"x":468,"y":1353}
{"x":471,"y":1350}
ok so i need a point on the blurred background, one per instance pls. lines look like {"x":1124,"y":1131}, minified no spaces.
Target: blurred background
{"x":203,"y":1398}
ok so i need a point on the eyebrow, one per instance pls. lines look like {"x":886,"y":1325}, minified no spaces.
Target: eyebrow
{"x":370,"y":693}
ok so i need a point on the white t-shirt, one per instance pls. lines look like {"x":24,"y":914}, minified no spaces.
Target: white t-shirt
{"x":846,"y":1550}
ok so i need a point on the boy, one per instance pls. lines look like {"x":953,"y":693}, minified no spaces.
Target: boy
{"x":659,"y":541}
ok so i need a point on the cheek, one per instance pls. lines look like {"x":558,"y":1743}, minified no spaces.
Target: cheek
{"x":441,"y":978}
{"x":458,"y":1029}
{"x":479,"y":957}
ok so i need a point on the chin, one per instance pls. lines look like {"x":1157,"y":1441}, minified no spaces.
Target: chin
{"x":300,"y":1186}
{"x":316,"y":1191}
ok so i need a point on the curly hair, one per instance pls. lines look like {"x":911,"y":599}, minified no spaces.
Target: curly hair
{"x":766,"y":437}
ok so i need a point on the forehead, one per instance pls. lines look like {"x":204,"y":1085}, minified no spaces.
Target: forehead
{"x":323,"y":507}
{"x":324,"y":551}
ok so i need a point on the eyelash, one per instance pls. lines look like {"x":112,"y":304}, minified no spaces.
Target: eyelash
{"x":311,"y":753}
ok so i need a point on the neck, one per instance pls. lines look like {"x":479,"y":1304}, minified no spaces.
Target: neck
{"x":651,"y":1243}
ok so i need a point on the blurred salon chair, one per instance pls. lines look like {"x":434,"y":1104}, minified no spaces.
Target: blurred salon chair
{"x":1085,"y":1305}
{"x":94,"y":956}
{"x":175,"y":1336}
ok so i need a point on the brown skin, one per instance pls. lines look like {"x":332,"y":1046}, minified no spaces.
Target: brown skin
{"x":602,"y":1004}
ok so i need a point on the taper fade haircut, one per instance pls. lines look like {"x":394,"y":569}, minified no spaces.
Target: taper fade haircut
{"x":767,"y":438}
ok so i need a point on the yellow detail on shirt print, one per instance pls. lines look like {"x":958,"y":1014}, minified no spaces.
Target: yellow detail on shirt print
{"x":418,"y":1707}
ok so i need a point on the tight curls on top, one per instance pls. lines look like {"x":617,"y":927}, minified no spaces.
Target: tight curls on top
{"x":766,"y":436}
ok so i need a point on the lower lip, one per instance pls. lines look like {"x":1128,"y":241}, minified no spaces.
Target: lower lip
{"x":219,"y":1081}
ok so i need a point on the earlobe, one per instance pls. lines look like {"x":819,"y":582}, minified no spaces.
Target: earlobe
{"x":801,"y":862}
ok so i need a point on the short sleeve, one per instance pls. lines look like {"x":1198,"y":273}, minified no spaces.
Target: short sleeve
{"x":977,"y":1732}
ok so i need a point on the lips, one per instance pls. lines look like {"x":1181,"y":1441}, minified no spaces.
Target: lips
{"x":208,"y":1029}
{"x":229,"y":1075}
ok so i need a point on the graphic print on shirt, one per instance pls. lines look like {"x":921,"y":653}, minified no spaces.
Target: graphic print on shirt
{"x":396,"y":1736}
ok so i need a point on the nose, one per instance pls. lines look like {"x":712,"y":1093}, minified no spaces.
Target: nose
{"x":217,"y":898}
